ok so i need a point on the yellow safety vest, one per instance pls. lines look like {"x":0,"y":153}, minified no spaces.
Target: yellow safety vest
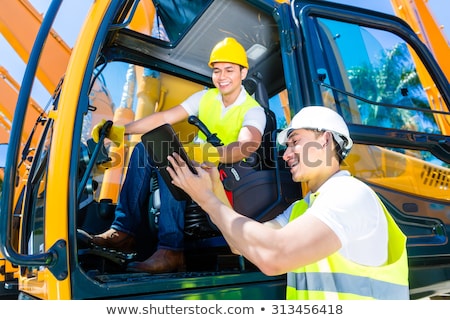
{"x":336,"y":277}
{"x":226,"y":127}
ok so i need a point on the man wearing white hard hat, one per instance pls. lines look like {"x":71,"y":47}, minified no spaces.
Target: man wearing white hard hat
{"x":338,"y":242}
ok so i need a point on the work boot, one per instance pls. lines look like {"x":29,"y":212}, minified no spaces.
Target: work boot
{"x":161,"y":261}
{"x":115,"y":239}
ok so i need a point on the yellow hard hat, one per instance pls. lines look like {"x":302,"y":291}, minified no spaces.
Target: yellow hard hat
{"x":228,"y":50}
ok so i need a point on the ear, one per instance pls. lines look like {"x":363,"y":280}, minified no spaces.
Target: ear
{"x":244,"y":73}
{"x":326,"y":138}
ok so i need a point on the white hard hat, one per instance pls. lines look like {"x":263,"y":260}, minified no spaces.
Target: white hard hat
{"x":323,"y":119}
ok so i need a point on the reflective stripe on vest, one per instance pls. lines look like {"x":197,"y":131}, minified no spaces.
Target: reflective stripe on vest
{"x":343,"y":286}
{"x":226,"y":127}
{"x":336,"y":277}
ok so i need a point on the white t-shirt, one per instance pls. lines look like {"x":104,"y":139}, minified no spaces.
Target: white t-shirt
{"x":353,"y":211}
{"x":254,"y":117}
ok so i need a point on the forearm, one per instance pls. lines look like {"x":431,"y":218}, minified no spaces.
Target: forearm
{"x":145,"y":124}
{"x":236,"y":151}
{"x":248,"y":141}
{"x":150,"y":122}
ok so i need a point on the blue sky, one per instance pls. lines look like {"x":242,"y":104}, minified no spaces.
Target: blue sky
{"x":72,"y":13}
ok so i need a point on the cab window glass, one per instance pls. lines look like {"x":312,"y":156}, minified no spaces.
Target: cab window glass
{"x":374,"y":78}
{"x":380,"y":73}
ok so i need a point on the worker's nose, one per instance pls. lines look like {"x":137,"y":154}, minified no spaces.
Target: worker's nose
{"x":287,"y":154}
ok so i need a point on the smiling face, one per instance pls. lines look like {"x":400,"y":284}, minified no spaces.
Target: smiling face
{"x":227,"y":77}
{"x":310,"y":156}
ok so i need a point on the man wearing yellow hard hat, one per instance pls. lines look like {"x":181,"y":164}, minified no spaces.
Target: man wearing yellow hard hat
{"x":227,"y":110}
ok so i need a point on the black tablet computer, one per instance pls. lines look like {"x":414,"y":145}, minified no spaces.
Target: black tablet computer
{"x":160,"y":143}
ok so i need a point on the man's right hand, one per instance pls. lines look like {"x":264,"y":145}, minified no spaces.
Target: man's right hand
{"x":116,"y":133}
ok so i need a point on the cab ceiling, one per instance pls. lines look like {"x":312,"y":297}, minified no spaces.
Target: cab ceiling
{"x":231,"y":18}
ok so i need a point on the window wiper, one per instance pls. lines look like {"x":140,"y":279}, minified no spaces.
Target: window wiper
{"x":41,"y":119}
{"x":26,"y":149}
{"x":387,"y":105}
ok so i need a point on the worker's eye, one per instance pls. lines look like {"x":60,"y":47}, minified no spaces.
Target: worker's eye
{"x":292,"y":143}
